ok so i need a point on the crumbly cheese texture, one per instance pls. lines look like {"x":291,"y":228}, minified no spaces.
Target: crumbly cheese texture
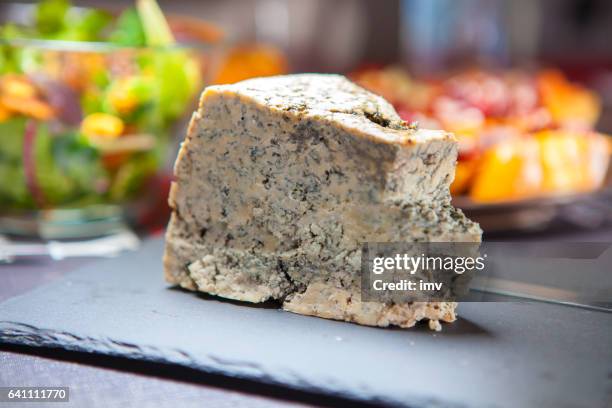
{"x":281,"y":179}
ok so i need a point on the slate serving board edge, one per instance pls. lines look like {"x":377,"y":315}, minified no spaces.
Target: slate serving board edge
{"x":25,"y":335}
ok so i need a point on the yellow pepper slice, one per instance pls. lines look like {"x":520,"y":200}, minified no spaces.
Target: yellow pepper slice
{"x":102,"y":125}
{"x":27,"y":106}
{"x":510,"y":170}
{"x":17,"y":86}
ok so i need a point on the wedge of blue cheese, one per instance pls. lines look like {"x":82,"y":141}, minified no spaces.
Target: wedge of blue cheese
{"x":281,"y":179}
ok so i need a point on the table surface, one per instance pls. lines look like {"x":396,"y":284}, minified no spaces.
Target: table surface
{"x":118,"y":382}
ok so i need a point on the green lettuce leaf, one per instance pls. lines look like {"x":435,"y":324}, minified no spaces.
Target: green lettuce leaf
{"x":50,"y":16}
{"x":156,"y":29}
{"x":128,"y":30}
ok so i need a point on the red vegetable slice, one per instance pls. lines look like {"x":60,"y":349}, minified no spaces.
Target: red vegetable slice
{"x":29,"y":163}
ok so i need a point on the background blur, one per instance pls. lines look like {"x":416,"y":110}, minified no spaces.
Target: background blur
{"x":426,"y":35}
{"x":525,"y":85}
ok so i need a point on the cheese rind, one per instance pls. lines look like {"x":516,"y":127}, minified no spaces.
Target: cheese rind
{"x":281,"y":179}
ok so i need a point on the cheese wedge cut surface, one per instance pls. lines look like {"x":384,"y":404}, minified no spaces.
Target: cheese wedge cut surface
{"x":281,"y":179}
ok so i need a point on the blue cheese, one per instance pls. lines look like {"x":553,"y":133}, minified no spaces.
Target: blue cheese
{"x":281,"y":179}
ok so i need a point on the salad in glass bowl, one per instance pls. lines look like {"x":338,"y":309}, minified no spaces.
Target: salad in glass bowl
{"x":88,"y":101}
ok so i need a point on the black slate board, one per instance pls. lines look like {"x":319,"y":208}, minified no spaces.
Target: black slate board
{"x":496,"y":354}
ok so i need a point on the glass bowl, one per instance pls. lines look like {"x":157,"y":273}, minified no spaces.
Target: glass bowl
{"x":85,"y":129}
